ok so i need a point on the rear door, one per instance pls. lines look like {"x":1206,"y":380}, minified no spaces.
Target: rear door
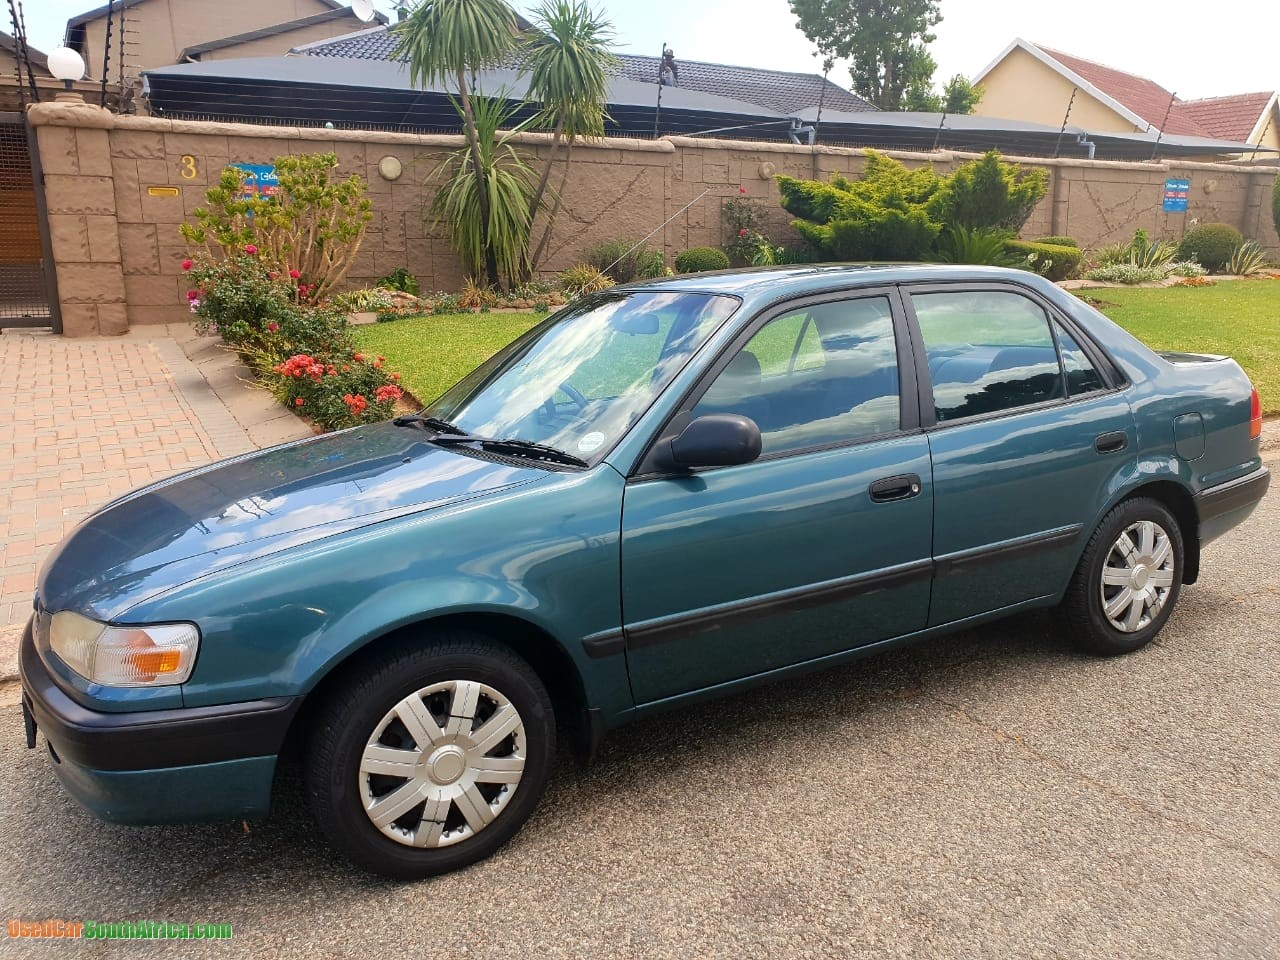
{"x":1029,"y":434}
{"x":820,"y":545}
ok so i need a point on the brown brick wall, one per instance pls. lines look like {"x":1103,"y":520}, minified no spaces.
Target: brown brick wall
{"x":116,"y":241}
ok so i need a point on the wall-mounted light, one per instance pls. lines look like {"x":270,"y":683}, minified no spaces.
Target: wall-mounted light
{"x":68,"y":66}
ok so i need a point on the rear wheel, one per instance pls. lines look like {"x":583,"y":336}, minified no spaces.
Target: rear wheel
{"x":432,"y":758}
{"x":1128,"y":580}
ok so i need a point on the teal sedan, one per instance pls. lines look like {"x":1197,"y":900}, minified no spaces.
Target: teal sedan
{"x":664,"y":492}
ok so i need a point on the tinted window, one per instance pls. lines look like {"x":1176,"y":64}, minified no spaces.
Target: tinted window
{"x":1082,"y":376}
{"x":988,"y":351}
{"x":824,"y":374}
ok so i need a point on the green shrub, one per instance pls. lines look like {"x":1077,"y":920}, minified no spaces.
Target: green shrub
{"x":1049,"y":260}
{"x":583,"y":278}
{"x":985,"y":247}
{"x":364,"y":300}
{"x":1211,"y":245}
{"x":400,"y":279}
{"x":1125,"y":272}
{"x":336,"y":390}
{"x":988,"y":193}
{"x":702,"y":259}
{"x":616,"y":260}
{"x":1059,"y":241}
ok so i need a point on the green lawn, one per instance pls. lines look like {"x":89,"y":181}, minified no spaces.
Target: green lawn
{"x":1240,"y":318}
{"x":431,"y":354}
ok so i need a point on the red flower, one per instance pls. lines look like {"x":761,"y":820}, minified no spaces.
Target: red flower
{"x":388,"y":393}
{"x":193,"y":294}
{"x":273,"y":327}
{"x":742,"y":189}
{"x":355,"y":403}
{"x":395,"y":376}
{"x":295,"y":274}
{"x":358,"y":357}
{"x":299,"y":402}
{"x":186,"y":264}
{"x":742,"y":232}
{"x":250,"y":249}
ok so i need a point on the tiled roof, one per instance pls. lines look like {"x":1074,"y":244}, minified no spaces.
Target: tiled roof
{"x":775,"y":89}
{"x":1228,"y":118}
{"x":9,"y":43}
{"x":1144,"y":97}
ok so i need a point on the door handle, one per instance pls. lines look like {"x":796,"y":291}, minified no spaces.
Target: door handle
{"x":889,"y":489}
{"x":1111,"y":442}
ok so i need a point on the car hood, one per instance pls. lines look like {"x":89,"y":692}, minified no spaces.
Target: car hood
{"x":208,"y":519}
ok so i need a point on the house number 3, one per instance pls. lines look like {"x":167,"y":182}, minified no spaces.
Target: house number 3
{"x":188,"y":167}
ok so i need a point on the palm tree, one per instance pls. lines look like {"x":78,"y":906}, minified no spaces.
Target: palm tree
{"x":567,"y":59}
{"x":445,"y":40}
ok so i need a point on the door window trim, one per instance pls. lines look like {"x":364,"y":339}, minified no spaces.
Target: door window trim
{"x":645,"y":468}
{"x":1112,"y":379}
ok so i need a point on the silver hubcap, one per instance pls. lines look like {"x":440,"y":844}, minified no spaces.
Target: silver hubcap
{"x":1137,"y":576}
{"x":442,"y":764}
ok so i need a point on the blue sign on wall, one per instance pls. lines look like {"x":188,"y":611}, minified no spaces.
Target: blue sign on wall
{"x":1175,"y":195}
{"x":260,"y":179}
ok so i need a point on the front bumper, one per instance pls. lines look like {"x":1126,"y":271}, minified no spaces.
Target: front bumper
{"x":158,"y":766}
{"x":1224,"y":505}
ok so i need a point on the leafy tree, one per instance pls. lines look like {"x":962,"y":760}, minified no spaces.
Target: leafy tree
{"x":886,"y":41}
{"x":959,"y":96}
{"x":567,"y":58}
{"x":444,"y":40}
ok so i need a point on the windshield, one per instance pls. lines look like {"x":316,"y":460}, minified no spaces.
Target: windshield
{"x":578,"y":381}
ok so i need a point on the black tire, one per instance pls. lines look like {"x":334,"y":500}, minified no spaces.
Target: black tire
{"x":350,"y":716}
{"x":1091,"y":628}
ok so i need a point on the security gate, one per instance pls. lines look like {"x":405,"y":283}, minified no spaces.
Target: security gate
{"x":24,"y":284}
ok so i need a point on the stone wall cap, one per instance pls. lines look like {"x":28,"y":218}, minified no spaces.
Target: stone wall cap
{"x":63,"y":113}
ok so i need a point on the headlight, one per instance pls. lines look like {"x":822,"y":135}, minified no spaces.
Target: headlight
{"x":136,"y":655}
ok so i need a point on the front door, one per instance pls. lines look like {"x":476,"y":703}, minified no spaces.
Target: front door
{"x":1030,"y":437}
{"x":820,"y":545}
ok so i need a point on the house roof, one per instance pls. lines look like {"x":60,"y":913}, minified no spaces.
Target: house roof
{"x":1144,"y":97}
{"x":1231,"y":118}
{"x":195,"y":52}
{"x":775,"y":89}
{"x":38,"y":58}
{"x":83,"y":18}
{"x":1146,"y":103}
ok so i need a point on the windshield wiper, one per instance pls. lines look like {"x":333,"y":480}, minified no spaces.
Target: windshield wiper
{"x":435,"y":423}
{"x":520,"y":448}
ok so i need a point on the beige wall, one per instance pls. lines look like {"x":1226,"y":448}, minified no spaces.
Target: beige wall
{"x":118,"y":250}
{"x":282,"y":43}
{"x":161,"y":29}
{"x":1020,"y":87}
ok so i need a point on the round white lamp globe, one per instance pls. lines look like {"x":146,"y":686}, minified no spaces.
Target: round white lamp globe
{"x":66,"y":64}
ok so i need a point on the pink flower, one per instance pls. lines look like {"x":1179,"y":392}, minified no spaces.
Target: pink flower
{"x":742,"y":232}
{"x":388,"y":392}
{"x":742,"y":189}
{"x":295,"y":274}
{"x":299,"y":402}
{"x":273,"y":327}
{"x":193,"y":294}
{"x":250,"y":249}
{"x":186,"y":264}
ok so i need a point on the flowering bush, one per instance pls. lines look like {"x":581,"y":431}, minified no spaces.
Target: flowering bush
{"x":742,"y":216}
{"x":340,"y":390}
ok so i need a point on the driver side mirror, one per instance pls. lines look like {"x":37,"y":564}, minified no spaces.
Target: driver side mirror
{"x":715,"y":440}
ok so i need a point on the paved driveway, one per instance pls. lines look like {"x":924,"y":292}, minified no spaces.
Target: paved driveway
{"x":987,"y":795}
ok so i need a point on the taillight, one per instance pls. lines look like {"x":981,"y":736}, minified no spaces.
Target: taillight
{"x":1255,"y":415}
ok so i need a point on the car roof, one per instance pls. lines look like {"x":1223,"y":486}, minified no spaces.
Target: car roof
{"x":800,"y":279}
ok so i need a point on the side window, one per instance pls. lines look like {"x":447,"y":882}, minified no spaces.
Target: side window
{"x":1082,"y":376}
{"x":988,"y":351}
{"x":824,"y":374}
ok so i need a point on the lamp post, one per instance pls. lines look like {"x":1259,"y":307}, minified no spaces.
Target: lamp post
{"x":68,"y":66}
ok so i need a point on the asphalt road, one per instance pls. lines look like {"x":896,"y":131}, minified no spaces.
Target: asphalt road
{"x":991,"y":794}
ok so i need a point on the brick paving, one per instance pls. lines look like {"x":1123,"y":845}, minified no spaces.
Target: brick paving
{"x":86,"y":420}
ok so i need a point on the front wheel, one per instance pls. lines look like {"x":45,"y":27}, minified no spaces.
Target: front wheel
{"x":1128,"y":580}
{"x":432,"y":757}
